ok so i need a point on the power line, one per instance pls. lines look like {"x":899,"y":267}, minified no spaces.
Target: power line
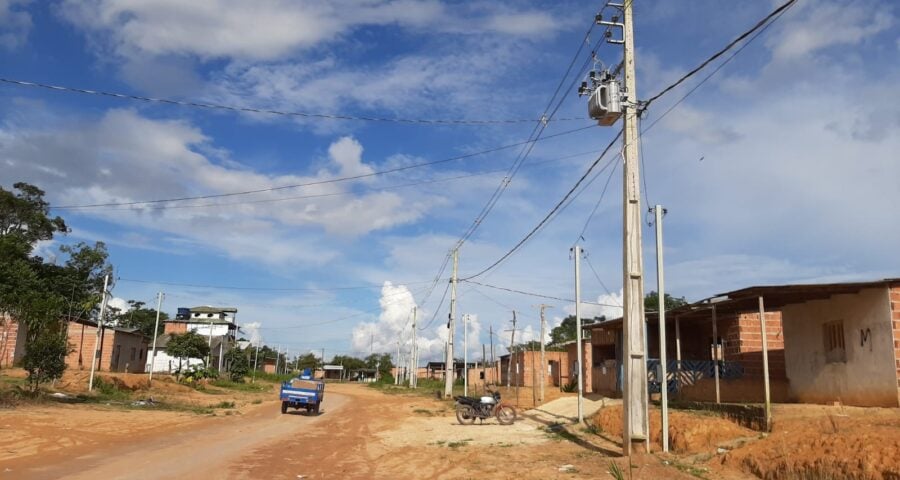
{"x":284,"y":113}
{"x":721,"y":52}
{"x":438,"y":309}
{"x":321,"y":182}
{"x":715,"y":71}
{"x":597,"y":205}
{"x":267,"y":289}
{"x":551,"y":213}
{"x":597,"y":276}
{"x":537,"y":295}
{"x":338,"y":194}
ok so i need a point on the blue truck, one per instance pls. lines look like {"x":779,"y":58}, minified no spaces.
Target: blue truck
{"x":302,"y":392}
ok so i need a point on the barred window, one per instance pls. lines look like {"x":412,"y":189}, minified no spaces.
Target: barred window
{"x":834,"y":342}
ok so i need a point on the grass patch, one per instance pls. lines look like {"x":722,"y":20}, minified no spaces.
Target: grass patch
{"x":271,"y":377}
{"x":423,"y":411}
{"x":241,"y":386}
{"x":699,"y":472}
{"x":558,"y":432}
{"x":257,"y":401}
{"x":461,"y":443}
{"x":224,"y":404}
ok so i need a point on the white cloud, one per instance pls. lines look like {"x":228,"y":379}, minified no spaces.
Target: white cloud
{"x":145,"y":158}
{"x":15,"y":23}
{"x":272,"y":29}
{"x":817,"y":25}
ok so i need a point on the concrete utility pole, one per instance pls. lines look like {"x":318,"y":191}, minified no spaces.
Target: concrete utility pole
{"x":99,"y":333}
{"x":255,"y":360}
{"x":448,"y":365}
{"x":494,"y":367}
{"x":543,"y":360}
{"x":277,"y":358}
{"x":397,"y":376}
{"x":635,"y":384}
{"x":512,"y":343}
{"x":414,"y":361}
{"x":576,"y":251}
{"x":466,"y":355}
{"x":159,"y":297}
{"x":661,"y":294}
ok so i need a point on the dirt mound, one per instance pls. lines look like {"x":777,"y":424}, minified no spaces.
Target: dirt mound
{"x":689,"y":432}
{"x":835,"y":446}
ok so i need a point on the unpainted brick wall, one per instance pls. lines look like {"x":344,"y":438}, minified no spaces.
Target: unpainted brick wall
{"x":895,"y":321}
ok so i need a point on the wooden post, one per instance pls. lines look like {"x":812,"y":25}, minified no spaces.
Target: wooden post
{"x":678,"y":353}
{"x":715,"y":353}
{"x":765,"y":356}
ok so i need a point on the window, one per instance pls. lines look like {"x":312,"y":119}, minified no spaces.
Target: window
{"x":834,"y":342}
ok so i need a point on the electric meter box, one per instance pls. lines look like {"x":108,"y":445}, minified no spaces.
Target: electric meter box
{"x":605,"y":104}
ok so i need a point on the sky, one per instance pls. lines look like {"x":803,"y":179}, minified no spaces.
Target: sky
{"x":781,"y":168}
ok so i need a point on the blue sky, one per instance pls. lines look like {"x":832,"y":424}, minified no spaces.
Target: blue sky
{"x":781,"y":168}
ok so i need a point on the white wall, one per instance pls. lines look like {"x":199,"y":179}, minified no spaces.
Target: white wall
{"x":168,"y":364}
{"x":218,"y":330}
{"x":868,"y":377}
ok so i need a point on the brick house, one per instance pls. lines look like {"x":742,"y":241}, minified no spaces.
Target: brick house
{"x":121,"y":350}
{"x":825,"y":343}
{"x":525,"y":370}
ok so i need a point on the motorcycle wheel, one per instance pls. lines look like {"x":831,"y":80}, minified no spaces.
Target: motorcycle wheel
{"x":465,"y":414}
{"x":506,"y":415}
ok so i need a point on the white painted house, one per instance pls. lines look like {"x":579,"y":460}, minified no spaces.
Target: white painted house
{"x":218,"y":324}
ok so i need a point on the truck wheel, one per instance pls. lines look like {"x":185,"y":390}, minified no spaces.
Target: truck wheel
{"x":316,"y":408}
{"x":284,"y":407}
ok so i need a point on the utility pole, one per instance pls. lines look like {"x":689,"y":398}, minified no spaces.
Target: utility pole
{"x":414,"y":361}
{"x":543,"y":360}
{"x":606,"y":108}
{"x":466,"y":355}
{"x":159,"y":297}
{"x":448,"y":365}
{"x":255,"y":360}
{"x":512,"y":343}
{"x":660,"y":292}
{"x":576,"y":251}
{"x":277,"y":358}
{"x":397,"y":376}
{"x":635,"y":410}
{"x":494,"y":367}
{"x":99,"y":339}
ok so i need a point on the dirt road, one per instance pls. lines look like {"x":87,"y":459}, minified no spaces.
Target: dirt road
{"x":361,"y":433}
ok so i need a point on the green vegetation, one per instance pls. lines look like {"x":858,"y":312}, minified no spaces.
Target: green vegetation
{"x":137,"y":316}
{"x":460,"y":443}
{"x":223,"y":404}
{"x":242,"y":387}
{"x":239,"y":366}
{"x":616,"y":471}
{"x":39,"y":294}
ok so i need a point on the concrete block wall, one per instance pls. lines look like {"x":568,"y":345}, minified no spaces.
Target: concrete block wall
{"x":529,"y":375}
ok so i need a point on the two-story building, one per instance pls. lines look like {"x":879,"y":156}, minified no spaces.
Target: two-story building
{"x":217,"y":324}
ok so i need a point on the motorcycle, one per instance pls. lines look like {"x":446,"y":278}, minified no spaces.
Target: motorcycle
{"x":470,"y":408}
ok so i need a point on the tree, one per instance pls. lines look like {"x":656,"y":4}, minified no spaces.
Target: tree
{"x":188,"y":345}
{"x":349,"y":363}
{"x":239,"y":365}
{"x":308,"y":360}
{"x":651,"y":302}
{"x":144,"y":319}
{"x":566,"y":331}
{"x":38,"y":294}
{"x":380,"y":361}
{"x":45,"y":357}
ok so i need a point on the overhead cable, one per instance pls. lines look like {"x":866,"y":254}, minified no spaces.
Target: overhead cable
{"x":296,"y":114}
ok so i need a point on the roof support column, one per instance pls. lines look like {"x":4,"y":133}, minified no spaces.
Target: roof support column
{"x":765,"y":360}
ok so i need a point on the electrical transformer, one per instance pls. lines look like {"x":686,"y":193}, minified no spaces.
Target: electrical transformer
{"x":605,"y":103}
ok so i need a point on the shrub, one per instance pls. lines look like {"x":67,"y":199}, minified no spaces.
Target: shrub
{"x":45,"y":358}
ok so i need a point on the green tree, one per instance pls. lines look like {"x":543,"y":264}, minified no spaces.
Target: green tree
{"x":566,"y":331}
{"x":38,"y":294}
{"x":381,"y":362}
{"x":651,"y":302}
{"x":238,"y":364}
{"x":45,"y":357}
{"x":142,"y":318}
{"x":308,"y":360}
{"x":188,"y":345}
{"x":349,"y":363}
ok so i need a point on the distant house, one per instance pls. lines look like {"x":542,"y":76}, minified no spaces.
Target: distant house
{"x":218,"y":324}
{"x":526,"y":367}
{"x":121,"y":349}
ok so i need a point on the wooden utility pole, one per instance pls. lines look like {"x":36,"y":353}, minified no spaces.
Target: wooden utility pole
{"x":99,"y":339}
{"x":715,"y":352}
{"x":576,"y":251}
{"x":448,"y":365}
{"x":635,"y":384}
{"x":466,"y":355}
{"x":543,"y":360}
{"x":484,"y":368}
{"x":661,"y":295}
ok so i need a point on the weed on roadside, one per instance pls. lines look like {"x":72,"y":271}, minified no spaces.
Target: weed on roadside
{"x":423,"y":411}
{"x":460,"y":443}
{"x":223,"y":404}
